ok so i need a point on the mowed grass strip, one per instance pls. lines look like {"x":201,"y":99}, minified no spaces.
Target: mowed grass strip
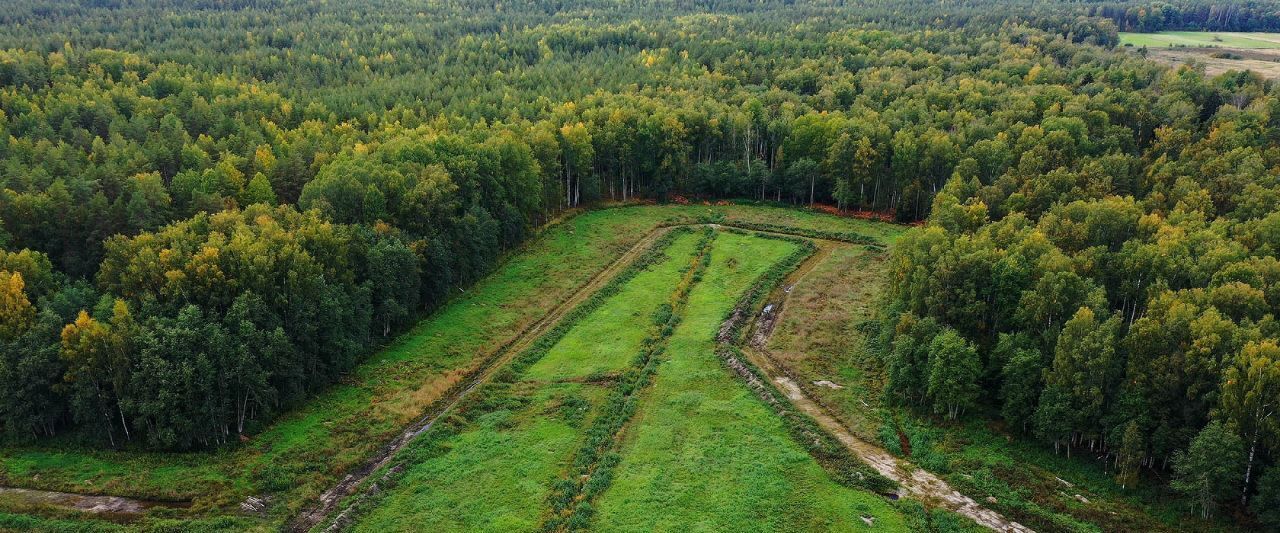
{"x":607,"y":340}
{"x":592,"y":468}
{"x":704,"y":454}
{"x":495,"y":475}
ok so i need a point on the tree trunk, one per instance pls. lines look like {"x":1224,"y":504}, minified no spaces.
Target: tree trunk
{"x":123,"y":424}
{"x":244,"y":407}
{"x":1248,"y":469}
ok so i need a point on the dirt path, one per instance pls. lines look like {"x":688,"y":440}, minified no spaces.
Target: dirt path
{"x":915,"y":481}
{"x":772,"y":312}
{"x":329,"y":501}
{"x":103,"y":505}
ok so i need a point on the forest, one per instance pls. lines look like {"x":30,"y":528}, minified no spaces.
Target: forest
{"x":212,"y":211}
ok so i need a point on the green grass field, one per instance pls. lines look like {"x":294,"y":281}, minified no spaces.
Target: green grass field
{"x":1201,"y":39}
{"x":704,"y":454}
{"x":607,"y":340}
{"x":307,"y":450}
{"x":495,"y":475}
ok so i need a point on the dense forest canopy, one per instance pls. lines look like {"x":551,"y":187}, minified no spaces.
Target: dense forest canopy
{"x":210,"y":210}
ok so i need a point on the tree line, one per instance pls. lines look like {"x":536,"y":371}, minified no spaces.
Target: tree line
{"x":209,"y":212}
{"x":1119,"y":302}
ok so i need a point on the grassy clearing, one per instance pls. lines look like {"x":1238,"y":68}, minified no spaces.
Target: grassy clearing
{"x":607,"y":339}
{"x":703,"y":454}
{"x":305,"y":451}
{"x":494,"y":475}
{"x":1202,"y":39}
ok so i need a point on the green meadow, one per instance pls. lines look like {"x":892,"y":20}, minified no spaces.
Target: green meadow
{"x":704,"y":454}
{"x":1201,"y":39}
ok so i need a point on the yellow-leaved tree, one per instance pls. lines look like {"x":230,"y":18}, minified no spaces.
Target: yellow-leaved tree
{"x":16,"y":312}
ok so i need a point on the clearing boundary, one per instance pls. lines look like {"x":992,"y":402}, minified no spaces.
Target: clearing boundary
{"x":914,"y":480}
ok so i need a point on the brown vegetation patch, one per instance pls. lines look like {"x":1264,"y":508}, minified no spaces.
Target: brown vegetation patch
{"x":1265,"y":62}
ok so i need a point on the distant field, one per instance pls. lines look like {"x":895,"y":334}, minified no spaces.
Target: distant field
{"x":1202,"y":39}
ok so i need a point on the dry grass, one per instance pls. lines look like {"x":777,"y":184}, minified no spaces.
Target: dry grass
{"x":818,"y":336}
{"x":416,"y":401}
{"x":1263,"y":61}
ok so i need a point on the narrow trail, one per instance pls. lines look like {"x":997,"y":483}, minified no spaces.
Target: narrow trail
{"x":330,"y":499}
{"x":101,"y":505}
{"x":915,"y":481}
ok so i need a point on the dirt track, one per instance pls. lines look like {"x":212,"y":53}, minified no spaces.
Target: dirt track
{"x":915,"y":481}
{"x":103,"y":505}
